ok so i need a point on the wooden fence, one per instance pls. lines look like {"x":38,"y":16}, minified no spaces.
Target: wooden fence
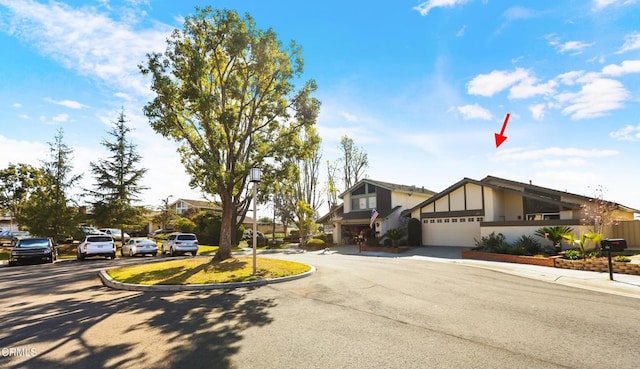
{"x":630,"y":231}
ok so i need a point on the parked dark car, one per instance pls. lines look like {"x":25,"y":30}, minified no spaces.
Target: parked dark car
{"x":11,"y":237}
{"x":33,"y":249}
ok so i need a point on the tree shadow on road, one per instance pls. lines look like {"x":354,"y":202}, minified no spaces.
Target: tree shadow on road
{"x":175,"y":330}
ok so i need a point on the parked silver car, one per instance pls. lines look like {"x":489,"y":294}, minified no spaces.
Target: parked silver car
{"x":180,"y":243}
{"x":139,"y":246}
{"x":97,"y":245}
{"x":116,"y":234}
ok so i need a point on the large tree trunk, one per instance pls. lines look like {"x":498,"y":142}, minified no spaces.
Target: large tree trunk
{"x":226,"y":241}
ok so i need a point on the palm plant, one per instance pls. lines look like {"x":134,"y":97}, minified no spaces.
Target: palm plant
{"x":582,"y":241}
{"x":555,"y":234}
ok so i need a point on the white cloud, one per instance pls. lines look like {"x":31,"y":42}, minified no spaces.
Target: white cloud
{"x":16,"y":105}
{"x":496,"y":81}
{"x":627,"y":133}
{"x":87,"y":41}
{"x":570,"y":78}
{"x":474,"y":111}
{"x":349,"y":117}
{"x":595,"y":98}
{"x":573,"y":47}
{"x":537,"y":111}
{"x":123,"y":96}
{"x":601,"y":4}
{"x":551,"y":153}
{"x":631,"y":42}
{"x":519,"y":12}
{"x":23,"y":116}
{"x":627,"y":66}
{"x":426,"y":6}
{"x":561,"y":163}
{"x":67,"y":103}
{"x":529,"y":87}
{"x":460,"y":32}
{"x":60,"y":118}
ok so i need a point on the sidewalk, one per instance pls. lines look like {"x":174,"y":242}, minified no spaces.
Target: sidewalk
{"x":623,"y":284}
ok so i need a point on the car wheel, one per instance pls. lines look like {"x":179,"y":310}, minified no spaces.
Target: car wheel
{"x":154,"y":254}
{"x":51,"y":258}
{"x":121,"y":252}
{"x":80,"y":256}
{"x":171,"y":252}
{"x":113,"y":256}
{"x":12,"y":263}
{"x":131,"y":253}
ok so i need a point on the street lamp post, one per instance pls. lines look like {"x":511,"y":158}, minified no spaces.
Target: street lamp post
{"x":255,"y":178}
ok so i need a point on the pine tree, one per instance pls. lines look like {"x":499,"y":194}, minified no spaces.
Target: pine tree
{"x":49,"y":211}
{"x":118,"y":179}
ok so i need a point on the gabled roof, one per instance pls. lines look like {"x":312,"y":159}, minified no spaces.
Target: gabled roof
{"x":202,"y":204}
{"x":389,"y":186}
{"x":507,"y":185}
{"x":552,"y":191}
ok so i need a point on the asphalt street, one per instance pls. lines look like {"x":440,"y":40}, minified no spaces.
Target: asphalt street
{"x":354,"y":312}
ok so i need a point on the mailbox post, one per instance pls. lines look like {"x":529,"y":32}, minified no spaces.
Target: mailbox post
{"x":612,"y":244}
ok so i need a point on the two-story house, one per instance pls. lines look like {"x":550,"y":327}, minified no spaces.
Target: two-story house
{"x":354,"y":215}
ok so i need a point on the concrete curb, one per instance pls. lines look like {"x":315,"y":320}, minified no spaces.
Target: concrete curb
{"x":111,"y":283}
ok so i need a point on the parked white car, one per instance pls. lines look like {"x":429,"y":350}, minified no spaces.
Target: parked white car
{"x":180,"y":243}
{"x":139,"y":246}
{"x":97,"y":245}
{"x":116,"y":234}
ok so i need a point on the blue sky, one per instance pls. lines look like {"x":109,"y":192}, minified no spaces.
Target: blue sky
{"x":421,"y":86}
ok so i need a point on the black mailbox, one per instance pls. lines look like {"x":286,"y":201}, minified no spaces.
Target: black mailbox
{"x":613,"y":244}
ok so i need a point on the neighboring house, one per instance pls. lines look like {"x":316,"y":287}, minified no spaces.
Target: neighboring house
{"x":472,"y":209}
{"x":354,"y":214}
{"x":181,"y":206}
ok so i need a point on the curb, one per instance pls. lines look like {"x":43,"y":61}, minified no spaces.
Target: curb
{"x":111,"y":283}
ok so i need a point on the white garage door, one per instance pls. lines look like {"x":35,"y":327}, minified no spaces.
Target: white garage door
{"x":451,"y":231}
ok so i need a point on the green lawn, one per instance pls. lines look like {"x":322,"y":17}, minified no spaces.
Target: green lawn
{"x":203,"y":270}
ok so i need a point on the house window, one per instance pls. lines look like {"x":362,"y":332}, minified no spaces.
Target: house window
{"x":439,"y":220}
{"x":470,"y":219}
{"x":446,"y":220}
{"x":479,"y":219}
{"x":425,"y":221}
{"x":432,"y":221}
{"x":363,"y":202}
{"x":454,"y":220}
{"x":462,"y":220}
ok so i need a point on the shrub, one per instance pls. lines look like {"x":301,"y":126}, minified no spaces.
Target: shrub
{"x":185,"y":225}
{"x":314,"y":242}
{"x":572,"y":254}
{"x":621,"y":259}
{"x":527,"y":245}
{"x":492,"y":243}
{"x":554,"y":234}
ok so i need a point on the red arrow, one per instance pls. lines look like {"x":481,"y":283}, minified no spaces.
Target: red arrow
{"x":501,"y":137}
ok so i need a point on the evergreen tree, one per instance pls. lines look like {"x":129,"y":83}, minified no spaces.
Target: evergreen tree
{"x":118,"y":179}
{"x":49,"y":211}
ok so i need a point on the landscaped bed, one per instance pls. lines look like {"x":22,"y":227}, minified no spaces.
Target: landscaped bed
{"x":202,"y":270}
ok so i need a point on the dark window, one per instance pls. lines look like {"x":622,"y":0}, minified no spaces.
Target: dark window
{"x":462,"y":220}
{"x":187,"y":237}
{"x":360,"y":190}
{"x":454,"y":220}
{"x":99,"y":239}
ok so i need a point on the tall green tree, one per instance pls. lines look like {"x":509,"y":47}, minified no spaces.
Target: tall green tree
{"x":50,"y":211}
{"x":117,"y":180}
{"x":354,"y":162}
{"x":224,"y":91}
{"x":17,"y":183}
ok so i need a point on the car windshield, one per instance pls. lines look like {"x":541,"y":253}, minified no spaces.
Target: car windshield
{"x":146,"y":242}
{"x":186,"y":237}
{"x":33,"y":242}
{"x":99,"y":239}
